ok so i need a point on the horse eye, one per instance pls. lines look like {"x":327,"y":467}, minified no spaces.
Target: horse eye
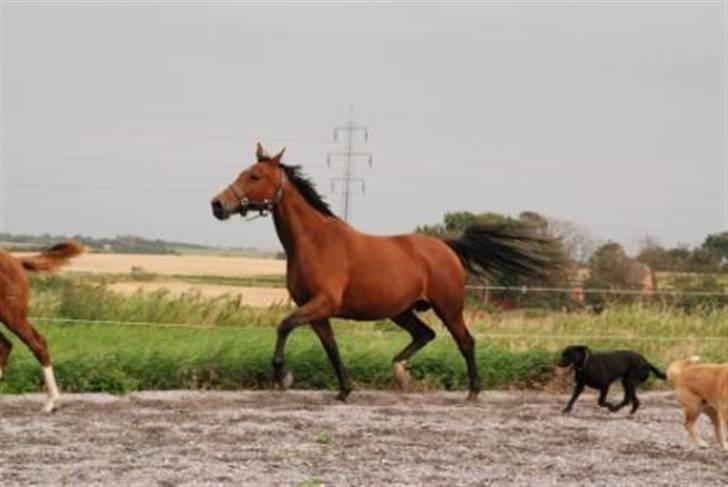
{"x":254,"y":177}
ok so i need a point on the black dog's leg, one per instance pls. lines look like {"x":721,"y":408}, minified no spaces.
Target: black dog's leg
{"x":603,"y":399}
{"x":577,"y":391}
{"x":629,"y":387}
{"x":630,"y":392}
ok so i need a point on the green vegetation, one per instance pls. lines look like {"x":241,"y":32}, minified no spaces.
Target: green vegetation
{"x":75,"y":298}
{"x":710,"y":257}
{"x":118,"y":359}
{"x":221,"y":344}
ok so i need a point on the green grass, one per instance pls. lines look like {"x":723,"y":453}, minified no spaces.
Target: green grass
{"x":231,"y":344}
{"x":56,"y":297}
{"x":118,"y":359}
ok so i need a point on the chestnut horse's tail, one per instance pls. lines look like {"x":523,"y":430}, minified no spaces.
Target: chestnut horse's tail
{"x":491,"y":250}
{"x":53,"y":257}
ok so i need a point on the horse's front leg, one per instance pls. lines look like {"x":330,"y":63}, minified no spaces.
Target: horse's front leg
{"x":319,"y":308}
{"x":326,"y":335}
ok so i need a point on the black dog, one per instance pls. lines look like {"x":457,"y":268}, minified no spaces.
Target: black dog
{"x":599,"y":370}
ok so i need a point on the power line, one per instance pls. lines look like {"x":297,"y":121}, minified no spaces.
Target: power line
{"x":348,"y":155}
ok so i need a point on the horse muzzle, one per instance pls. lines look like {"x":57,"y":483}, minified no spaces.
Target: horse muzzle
{"x":219,"y":211}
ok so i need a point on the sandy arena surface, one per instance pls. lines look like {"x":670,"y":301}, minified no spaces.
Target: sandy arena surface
{"x":252,"y":296}
{"x":378,"y":438}
{"x":197,"y":265}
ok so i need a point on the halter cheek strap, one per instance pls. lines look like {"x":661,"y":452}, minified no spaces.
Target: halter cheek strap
{"x":265,"y":206}
{"x":586,"y":358}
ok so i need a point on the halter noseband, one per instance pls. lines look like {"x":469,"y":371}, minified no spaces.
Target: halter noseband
{"x":265,"y":206}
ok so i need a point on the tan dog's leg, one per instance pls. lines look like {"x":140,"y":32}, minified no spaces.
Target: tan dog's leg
{"x":722,"y":430}
{"x":692,"y":406}
{"x":718,"y":425}
{"x":692,"y":412}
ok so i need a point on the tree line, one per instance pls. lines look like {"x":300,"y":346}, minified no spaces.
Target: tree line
{"x":599,"y":265}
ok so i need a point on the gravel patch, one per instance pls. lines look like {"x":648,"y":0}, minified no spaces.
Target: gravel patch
{"x":378,"y":438}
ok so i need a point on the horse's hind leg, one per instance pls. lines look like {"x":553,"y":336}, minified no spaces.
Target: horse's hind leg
{"x":456,"y":324}
{"x":421,"y":335}
{"x":37,"y":344}
{"x":5,"y":348}
{"x":326,"y":335}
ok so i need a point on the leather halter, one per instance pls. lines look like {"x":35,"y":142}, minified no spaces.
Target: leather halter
{"x":264,"y":206}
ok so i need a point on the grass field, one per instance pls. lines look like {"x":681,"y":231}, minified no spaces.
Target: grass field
{"x":115,"y":358}
{"x":229,"y":344}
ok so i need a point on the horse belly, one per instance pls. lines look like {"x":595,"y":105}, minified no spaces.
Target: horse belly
{"x":376,"y":299}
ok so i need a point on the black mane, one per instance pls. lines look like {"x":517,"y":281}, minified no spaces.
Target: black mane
{"x":307,"y":189}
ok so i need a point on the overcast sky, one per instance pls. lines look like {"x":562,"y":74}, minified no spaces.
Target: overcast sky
{"x":126,"y":119}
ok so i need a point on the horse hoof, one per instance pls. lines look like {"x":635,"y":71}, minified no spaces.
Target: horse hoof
{"x":50,"y":406}
{"x":343,"y":395}
{"x":402,"y":375}
{"x":287,"y":381}
{"x":472,"y":396}
{"x":281,"y":378}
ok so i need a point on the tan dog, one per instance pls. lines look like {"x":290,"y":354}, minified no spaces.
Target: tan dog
{"x":702,"y":388}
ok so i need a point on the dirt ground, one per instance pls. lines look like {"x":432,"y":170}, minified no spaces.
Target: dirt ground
{"x":378,"y":438}
{"x":252,"y":296}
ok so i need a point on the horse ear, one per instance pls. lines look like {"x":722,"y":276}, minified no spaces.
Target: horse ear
{"x":277,"y":158}
{"x":260,"y":153}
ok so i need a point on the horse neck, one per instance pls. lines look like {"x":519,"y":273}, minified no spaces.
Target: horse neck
{"x":294,"y":218}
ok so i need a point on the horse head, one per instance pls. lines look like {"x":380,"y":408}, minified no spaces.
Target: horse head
{"x":257,"y":188}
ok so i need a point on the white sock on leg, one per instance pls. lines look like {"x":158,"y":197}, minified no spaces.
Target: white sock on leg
{"x":51,"y":389}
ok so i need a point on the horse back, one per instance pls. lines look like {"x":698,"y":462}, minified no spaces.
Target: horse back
{"x":373,"y":277}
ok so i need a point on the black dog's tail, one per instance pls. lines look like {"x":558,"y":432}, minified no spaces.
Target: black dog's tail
{"x":658,"y":373}
{"x":492,"y":250}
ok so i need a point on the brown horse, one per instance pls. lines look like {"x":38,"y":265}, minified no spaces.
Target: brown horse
{"x":14,"y":297}
{"x":335,"y":271}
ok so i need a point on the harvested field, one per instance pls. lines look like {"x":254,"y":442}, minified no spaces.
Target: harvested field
{"x":251,"y":296}
{"x":198,"y":265}
{"x":379,"y":438}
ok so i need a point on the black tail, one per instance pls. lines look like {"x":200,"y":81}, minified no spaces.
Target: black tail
{"x":492,"y":251}
{"x":658,"y":373}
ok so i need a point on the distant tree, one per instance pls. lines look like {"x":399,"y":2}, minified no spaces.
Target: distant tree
{"x":703,"y":260}
{"x":679,"y":257}
{"x":537,"y":222}
{"x":577,"y":242}
{"x":717,"y":245}
{"x":609,"y":267}
{"x":655,"y":255}
{"x":454,"y":223}
{"x":528,"y":223}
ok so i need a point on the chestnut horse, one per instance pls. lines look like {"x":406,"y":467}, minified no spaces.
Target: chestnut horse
{"x":14,"y":297}
{"x":334,"y":271}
